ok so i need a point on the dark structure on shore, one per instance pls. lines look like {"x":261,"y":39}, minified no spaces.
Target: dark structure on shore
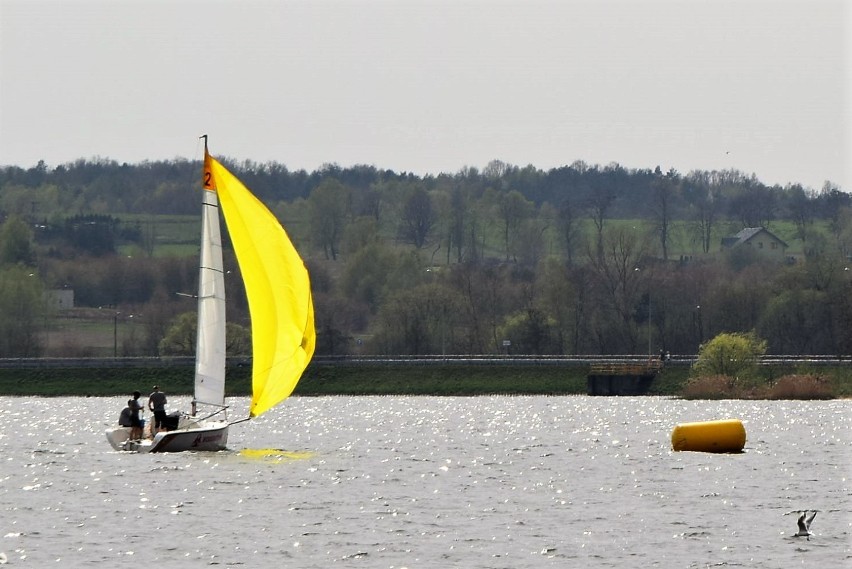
{"x":626,"y":378}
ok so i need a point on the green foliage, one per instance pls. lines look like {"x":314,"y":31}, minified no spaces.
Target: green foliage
{"x":531,"y":332}
{"x":422,"y":320}
{"x":22,"y":312}
{"x":366,"y":273}
{"x":16,"y":243}
{"x":181,"y":335}
{"x":237,"y":340}
{"x":795,"y":321}
{"x":418,"y":218}
{"x":328,"y":208}
{"x":732,"y":355}
{"x":180,"y":338}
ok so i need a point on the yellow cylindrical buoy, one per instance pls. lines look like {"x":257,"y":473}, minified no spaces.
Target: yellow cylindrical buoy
{"x":710,"y":436}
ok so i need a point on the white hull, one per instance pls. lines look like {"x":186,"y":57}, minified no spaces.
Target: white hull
{"x":197,"y":436}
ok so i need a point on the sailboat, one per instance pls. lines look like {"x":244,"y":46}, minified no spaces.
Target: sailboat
{"x":278,"y":289}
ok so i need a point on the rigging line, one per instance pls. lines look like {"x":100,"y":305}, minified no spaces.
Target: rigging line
{"x":240,"y":421}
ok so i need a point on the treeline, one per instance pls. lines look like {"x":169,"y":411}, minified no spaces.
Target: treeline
{"x":167,"y":187}
{"x":572,"y":260}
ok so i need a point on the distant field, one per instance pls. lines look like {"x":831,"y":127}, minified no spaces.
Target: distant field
{"x":173,"y":235}
{"x":93,"y":332}
{"x":177,"y":235}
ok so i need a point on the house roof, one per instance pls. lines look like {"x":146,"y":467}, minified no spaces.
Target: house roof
{"x":746,"y":234}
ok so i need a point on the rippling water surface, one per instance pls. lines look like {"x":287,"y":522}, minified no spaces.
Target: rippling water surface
{"x":492,"y":482}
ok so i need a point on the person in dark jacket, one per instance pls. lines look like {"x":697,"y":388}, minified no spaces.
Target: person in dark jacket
{"x":136,"y":411}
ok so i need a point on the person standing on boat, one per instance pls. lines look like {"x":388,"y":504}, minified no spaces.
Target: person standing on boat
{"x":136,"y":410}
{"x":157,"y":404}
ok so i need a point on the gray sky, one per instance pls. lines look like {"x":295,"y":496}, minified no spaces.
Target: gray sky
{"x":762,"y":86}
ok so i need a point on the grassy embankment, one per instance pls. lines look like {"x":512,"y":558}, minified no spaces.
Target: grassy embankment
{"x":440,"y":380}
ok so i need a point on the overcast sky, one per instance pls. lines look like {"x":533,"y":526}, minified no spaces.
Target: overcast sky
{"x":762,"y":86}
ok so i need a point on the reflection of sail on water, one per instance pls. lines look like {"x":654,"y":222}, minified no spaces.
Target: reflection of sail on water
{"x":282,"y":315}
{"x":277,"y":287}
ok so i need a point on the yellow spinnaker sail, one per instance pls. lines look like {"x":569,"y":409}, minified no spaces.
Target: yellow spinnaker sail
{"x":277,"y":286}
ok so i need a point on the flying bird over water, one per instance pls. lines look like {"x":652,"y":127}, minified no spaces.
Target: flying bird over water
{"x":805,"y":525}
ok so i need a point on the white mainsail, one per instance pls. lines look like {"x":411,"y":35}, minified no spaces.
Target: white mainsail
{"x":210,"y":343}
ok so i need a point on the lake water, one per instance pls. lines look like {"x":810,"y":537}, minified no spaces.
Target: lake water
{"x":391,"y":482}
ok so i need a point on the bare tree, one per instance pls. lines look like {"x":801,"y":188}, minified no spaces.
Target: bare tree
{"x":513,"y":208}
{"x":619,"y":274}
{"x":417,"y":218}
{"x":801,"y":209}
{"x":752,"y":202}
{"x":664,"y":189}
{"x":705,"y":207}
{"x":569,"y":227}
{"x":599,"y":204}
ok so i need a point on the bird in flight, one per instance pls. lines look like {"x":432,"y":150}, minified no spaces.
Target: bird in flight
{"x":805,"y":525}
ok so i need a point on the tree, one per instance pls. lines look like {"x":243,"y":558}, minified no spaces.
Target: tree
{"x":752,"y":202}
{"x":568,"y":223}
{"x":16,"y":243}
{"x":531,"y":331}
{"x":362,"y":232}
{"x":22,"y":312}
{"x":599,"y":204}
{"x":664,"y":189}
{"x":704,"y":198}
{"x":513,"y":208}
{"x":365,"y":275}
{"x":336,"y":319}
{"x":794,"y":322}
{"x":453,"y":217}
{"x":532,"y":242}
{"x":422,"y":320}
{"x":329,"y":207}
{"x":180,"y":338}
{"x":94,"y":234}
{"x":621,"y":279}
{"x":801,"y":205}
{"x":417,"y":218}
{"x":459,"y":219}
{"x":730,"y":354}
{"x":834,"y":201}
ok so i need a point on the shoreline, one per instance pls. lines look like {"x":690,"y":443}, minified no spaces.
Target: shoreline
{"x":323,"y":378}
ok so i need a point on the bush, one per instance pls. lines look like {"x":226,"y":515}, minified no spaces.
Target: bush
{"x":794,"y":386}
{"x":724,"y":387}
{"x":806,"y":386}
{"x":734,"y":355}
{"x":709,"y":387}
